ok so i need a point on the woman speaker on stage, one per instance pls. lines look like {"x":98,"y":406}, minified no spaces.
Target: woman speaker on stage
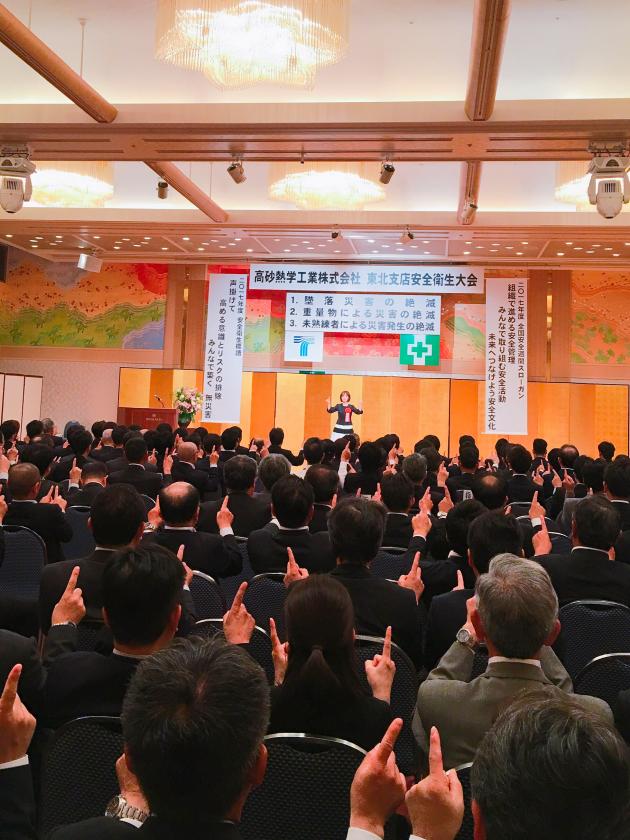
{"x":344,"y":410}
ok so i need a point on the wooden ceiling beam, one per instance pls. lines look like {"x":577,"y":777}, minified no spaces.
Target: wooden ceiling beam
{"x":173,"y":175}
{"x":470,"y":179}
{"x":490,"y":25}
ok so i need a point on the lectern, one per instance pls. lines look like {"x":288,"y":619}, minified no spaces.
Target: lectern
{"x":147,"y":418}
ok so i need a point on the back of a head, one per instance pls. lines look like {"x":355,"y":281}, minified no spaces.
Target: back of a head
{"x":465,"y":441}
{"x":568,"y":454}
{"x":519,"y":458}
{"x":490,"y":534}
{"x":593,"y":475}
{"x":468,"y":457}
{"x":93,"y":470}
{"x":539,"y":447}
{"x":434,"y":441}
{"x":187,"y":452}
{"x":141,"y":588}
{"x":194,"y":718}
{"x":48,"y":425}
{"x":580,"y":462}
{"x":329,"y":451}
{"x":397,"y":492}
{"x":97,"y":429}
{"x":179,"y":503}
{"x":230,"y":438}
{"x":276,"y":436}
{"x":272,"y":468}
{"x":39,"y":454}
{"x":433,"y":459}
{"x":387,"y":441}
{"x":240,"y":473}
{"x":118,"y":435}
{"x":34,"y":428}
{"x":517,"y":605}
{"x":596,"y":522}
{"x":324,"y":481}
{"x":9,"y":429}
{"x":136,"y":450}
{"x":617,"y":478}
{"x":22,"y":480}
{"x":550,"y":770}
{"x":313,"y":451}
{"x":501,"y":448}
{"x":606,"y":450}
{"x":414,"y":467}
{"x":292,"y":501}
{"x":490,"y":490}
{"x":370,"y":456}
{"x":116,"y":516}
{"x":356,"y":529}
{"x":211,"y":442}
{"x":458,"y":521}
{"x":80,"y":441}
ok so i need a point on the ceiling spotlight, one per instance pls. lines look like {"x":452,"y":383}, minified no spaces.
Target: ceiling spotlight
{"x":609,"y":186}
{"x":237,"y":172}
{"x":162,"y":189}
{"x":406,"y":237}
{"x":387,"y":172}
{"x":336,"y":234}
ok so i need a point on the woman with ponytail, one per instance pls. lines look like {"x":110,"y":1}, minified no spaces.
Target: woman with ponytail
{"x":318,"y":687}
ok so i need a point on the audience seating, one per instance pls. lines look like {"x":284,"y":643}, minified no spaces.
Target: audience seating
{"x":591,"y":628}
{"x":82,"y":543}
{"x":605,"y":676}
{"x":390,"y":566}
{"x":79,"y":771}
{"x":393,"y":549}
{"x":207,"y":597}
{"x":94,"y":635}
{"x":264,"y":599}
{"x":466,"y":832}
{"x":24,"y":560}
{"x":480,"y":662}
{"x":149,"y":503}
{"x":259,"y":645}
{"x":560,"y":543}
{"x":230,"y":585}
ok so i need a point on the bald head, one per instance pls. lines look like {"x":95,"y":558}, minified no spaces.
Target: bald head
{"x":179,"y":504}
{"x":187,"y":452}
{"x":24,"y":481}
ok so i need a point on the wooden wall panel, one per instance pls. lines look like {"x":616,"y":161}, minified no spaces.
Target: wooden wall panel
{"x":291,"y":407}
{"x":377,"y":404}
{"x":316,"y":421}
{"x":406,"y":420}
{"x":561,"y":325}
{"x":195,"y":327}
{"x":537,"y":289}
{"x":433,"y":413}
{"x":263,"y":403}
{"x":135,"y":387}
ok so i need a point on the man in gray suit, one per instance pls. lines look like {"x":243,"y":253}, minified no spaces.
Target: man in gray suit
{"x":515,"y":611}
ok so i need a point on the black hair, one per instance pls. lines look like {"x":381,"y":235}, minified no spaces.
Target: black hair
{"x":397,"y":493}
{"x":292,"y":501}
{"x":34,"y":428}
{"x":136,"y":450}
{"x":231,"y":437}
{"x":313,"y":450}
{"x":93,"y":469}
{"x":239,"y":473}
{"x":519,"y":458}
{"x":370,"y":456}
{"x":178,"y":506}
{"x":458,"y":521}
{"x":324,"y":481}
{"x":597,"y":523}
{"x":116,"y":515}
{"x":593,"y":475}
{"x":118,"y":434}
{"x":568,"y":454}
{"x":490,"y":490}
{"x":468,"y":457}
{"x":356,"y":529}
{"x":80,"y":441}
{"x":276,"y":436}
{"x":40,"y":455}
{"x":539,"y":447}
{"x":490,"y":534}
{"x":617,"y":478}
{"x":607,"y":450}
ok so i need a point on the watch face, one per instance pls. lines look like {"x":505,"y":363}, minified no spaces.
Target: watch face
{"x":113,"y":806}
{"x":463,"y":636}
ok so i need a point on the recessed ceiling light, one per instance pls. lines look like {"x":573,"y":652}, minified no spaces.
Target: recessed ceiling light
{"x":306,"y":242}
{"x":509,"y":247}
{"x":495,"y":244}
{"x":590,"y":252}
{"x":337,"y":252}
{"x":39,"y":237}
{"x":568,"y":243}
{"x":135,"y":245}
{"x":479,"y":246}
{"x":427,"y":252}
{"x":221,"y":246}
{"x":375,"y":252}
{"x":34,"y":246}
{"x":116,"y":247}
{"x":231,"y":244}
{"x":616,"y":255}
{"x":214,"y":240}
{"x":81,"y":246}
{"x":146,"y":238}
{"x":287,"y":251}
{"x":201,"y":249}
{"x":384,"y":246}
{"x":32,"y":240}
{"x":310,"y":248}
{"x":251,"y":250}
{"x":560,"y":253}
{"x":578,"y":248}
{"x":237,"y":238}
{"x":413,"y":246}
{"x":9,"y":235}
{"x":185,"y":238}
{"x":596,"y":246}
{"x":519,"y":253}
{"x":626,"y":243}
{"x":205,"y":243}
{"x":164,"y":248}
{"x":323,"y":245}
{"x":276,"y":240}
{"x":466,"y":252}
{"x":426,"y":241}
{"x":371,"y":241}
{"x":607,"y":249}
{"x":493,"y":250}
{"x":125,"y":239}
{"x":468,"y":243}
{"x":400,"y":249}
{"x":524,"y":242}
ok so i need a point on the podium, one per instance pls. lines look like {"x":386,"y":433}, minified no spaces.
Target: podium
{"x":147,"y":418}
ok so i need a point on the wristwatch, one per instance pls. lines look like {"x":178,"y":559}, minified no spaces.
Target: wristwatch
{"x":465,"y":637}
{"x":120,"y":809}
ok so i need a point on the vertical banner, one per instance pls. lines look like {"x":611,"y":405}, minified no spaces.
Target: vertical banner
{"x":506,"y":356}
{"x":223,"y":359}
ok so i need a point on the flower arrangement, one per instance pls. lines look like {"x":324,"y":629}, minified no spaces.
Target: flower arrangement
{"x":188,"y":401}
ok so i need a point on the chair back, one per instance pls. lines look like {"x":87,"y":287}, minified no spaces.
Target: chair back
{"x":560,"y":543}
{"x":520,"y":508}
{"x":391,"y":566}
{"x":82,"y":543}
{"x":467,"y":830}
{"x":94,"y":635}
{"x":480,"y":662}
{"x":206,"y":596}
{"x":24,"y":560}
{"x":78,"y":775}
{"x":64,"y":486}
{"x":306,"y":790}
{"x":590,"y":629}
{"x":230,"y":585}
{"x":264,"y":599}
{"x":259,"y":645}
{"x":605,"y":676}
{"x":149,"y":504}
{"x":393,"y":549}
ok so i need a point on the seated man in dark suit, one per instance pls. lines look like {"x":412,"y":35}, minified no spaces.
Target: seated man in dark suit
{"x":250,"y":513}
{"x":356,"y":528}
{"x":397,"y":494}
{"x":491,"y":491}
{"x":276,"y":439}
{"x":371,"y":459}
{"x":590,"y":571}
{"x":174,"y":525}
{"x":43,"y":458}
{"x":415,"y":467}
{"x":617,"y":489}
{"x":194,"y":718}
{"x":92,"y":483}
{"x":460,"y":484}
{"x":489,"y":534}
{"x":184,"y":469}
{"x":292,"y":507}
{"x":457,"y":522}
{"x":520,"y":486}
{"x":47,"y":518}
{"x":325,"y":484}
{"x":141,"y":590}
{"x":107,"y":450}
{"x":119,"y":438}
{"x":230,"y":445}
{"x":136,"y":473}
{"x":270,"y":469}
{"x":80,"y":441}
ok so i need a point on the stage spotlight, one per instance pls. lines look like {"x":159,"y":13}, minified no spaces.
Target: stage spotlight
{"x":162,"y":189}
{"x":407,"y":237}
{"x":236,"y":172}
{"x":387,"y":172}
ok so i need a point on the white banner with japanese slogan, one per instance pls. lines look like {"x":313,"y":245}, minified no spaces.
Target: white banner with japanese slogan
{"x":225,"y":342}
{"x":506,"y":356}
{"x":424,"y":279}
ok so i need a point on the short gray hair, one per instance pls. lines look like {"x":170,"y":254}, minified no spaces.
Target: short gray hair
{"x":271,"y":469}
{"x":415,"y":467}
{"x":517,"y":605}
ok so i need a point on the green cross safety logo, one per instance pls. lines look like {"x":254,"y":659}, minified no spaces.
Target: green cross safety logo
{"x":420,"y":350}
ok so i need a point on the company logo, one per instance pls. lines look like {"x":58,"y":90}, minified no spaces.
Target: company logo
{"x":420,"y":350}
{"x":304,"y":342}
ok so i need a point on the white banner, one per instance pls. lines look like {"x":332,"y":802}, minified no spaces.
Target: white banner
{"x":423,"y":279}
{"x":363,"y":313}
{"x":225,"y":335}
{"x":506,"y":356}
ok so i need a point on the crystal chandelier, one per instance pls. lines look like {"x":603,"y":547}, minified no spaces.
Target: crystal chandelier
{"x":572,"y":184}
{"x":88,"y":183}
{"x":239,"y":43}
{"x":326,"y":186}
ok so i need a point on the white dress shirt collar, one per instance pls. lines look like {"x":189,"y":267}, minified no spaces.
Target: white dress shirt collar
{"x":494,"y":659}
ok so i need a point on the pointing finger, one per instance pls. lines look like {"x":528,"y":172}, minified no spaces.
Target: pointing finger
{"x":385,"y":748}
{"x":224,"y":506}
{"x":180,"y":553}
{"x":387,"y":644}
{"x":238,"y":598}
{"x":436,"y":765}
{"x":72,"y":581}
{"x":414,"y":565}
{"x":9,"y":693}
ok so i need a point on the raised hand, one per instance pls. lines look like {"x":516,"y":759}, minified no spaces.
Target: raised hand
{"x":413,"y":580}
{"x":214,"y":457}
{"x":379,"y":787}
{"x":392,"y":456}
{"x":238,"y":624}
{"x":426,"y":502}
{"x":167,"y":463}
{"x":536,"y":510}
{"x":3,"y":507}
{"x":541,"y":540}
{"x":446,"y":503}
{"x":377,"y":496}
{"x":346,"y":454}
{"x":57,"y":498}
{"x":17,"y":724}
{"x":70,"y":606}
{"x":442,"y":474}
{"x":537,"y":478}
{"x":155,"y":515}
{"x":225,"y":517}
{"x":294,"y":572}
{"x":152,"y":459}
{"x":568,"y":484}
{"x":556,"y":481}
{"x":421,"y":524}
{"x":279,"y":654}
{"x":188,"y":575}
{"x":381,"y":670}
{"x":13,"y":454}
{"x":460,"y":582}
{"x":436,"y":804}
{"x":4,"y":462}
{"x":75,"y":472}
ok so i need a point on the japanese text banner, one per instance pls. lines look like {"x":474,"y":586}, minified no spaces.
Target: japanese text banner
{"x":368,"y":278}
{"x":223,"y":359}
{"x":506,"y":357}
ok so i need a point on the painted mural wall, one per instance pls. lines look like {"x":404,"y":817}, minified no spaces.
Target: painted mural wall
{"x":600,"y":331}
{"x":45,"y":304}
